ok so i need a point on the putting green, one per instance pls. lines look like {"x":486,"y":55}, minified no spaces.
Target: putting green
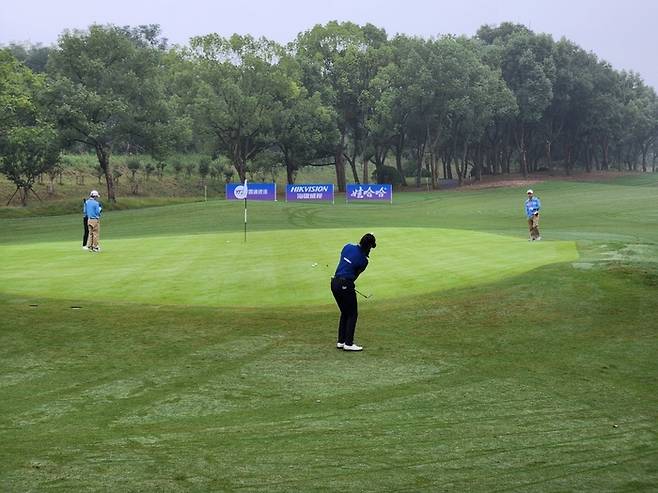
{"x":274,"y":268}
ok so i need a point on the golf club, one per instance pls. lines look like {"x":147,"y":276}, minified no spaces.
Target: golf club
{"x":365,"y":296}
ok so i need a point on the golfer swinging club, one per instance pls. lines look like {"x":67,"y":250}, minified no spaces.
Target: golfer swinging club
{"x":353,"y":261}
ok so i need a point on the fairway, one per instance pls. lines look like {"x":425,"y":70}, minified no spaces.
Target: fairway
{"x":284,"y":267}
{"x":199,"y":362}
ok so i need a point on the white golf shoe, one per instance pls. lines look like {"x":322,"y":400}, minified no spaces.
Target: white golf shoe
{"x":340,"y":345}
{"x":353,"y":347}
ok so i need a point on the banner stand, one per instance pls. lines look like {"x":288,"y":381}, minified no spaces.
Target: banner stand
{"x":311,"y":192}
{"x":375,"y":192}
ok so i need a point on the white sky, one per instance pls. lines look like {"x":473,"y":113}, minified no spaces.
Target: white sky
{"x":622,"y":32}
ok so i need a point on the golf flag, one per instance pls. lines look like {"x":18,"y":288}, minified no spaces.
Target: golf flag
{"x":245,"y":192}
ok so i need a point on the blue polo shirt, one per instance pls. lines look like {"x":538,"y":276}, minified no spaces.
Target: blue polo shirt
{"x":532,"y":205}
{"x":92,"y":209}
{"x":352,"y":262}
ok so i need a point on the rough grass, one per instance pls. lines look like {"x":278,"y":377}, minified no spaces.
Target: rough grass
{"x":544,"y":380}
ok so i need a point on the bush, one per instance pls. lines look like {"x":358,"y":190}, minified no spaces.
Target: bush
{"x":133,"y":165}
{"x":387,"y":174}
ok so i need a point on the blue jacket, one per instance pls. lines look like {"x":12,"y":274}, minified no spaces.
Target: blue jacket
{"x":92,"y":209}
{"x":532,"y":205}
{"x":352,"y":262}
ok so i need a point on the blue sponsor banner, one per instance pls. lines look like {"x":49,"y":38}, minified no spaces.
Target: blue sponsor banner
{"x":378,"y":192}
{"x":255,"y":191}
{"x":310,"y":192}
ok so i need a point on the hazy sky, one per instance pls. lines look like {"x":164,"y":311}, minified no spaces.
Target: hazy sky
{"x":623,"y":32}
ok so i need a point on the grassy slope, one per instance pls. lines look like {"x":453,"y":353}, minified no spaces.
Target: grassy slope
{"x":545,"y":381}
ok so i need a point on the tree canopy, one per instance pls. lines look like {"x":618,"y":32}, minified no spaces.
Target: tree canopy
{"x":507,"y":99}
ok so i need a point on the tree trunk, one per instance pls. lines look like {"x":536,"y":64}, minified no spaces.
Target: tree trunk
{"x":588,"y":158}
{"x":522,"y":151}
{"x":103,"y":155}
{"x":549,"y":157}
{"x":419,"y":164}
{"x":477,"y":163}
{"x":240,"y":168}
{"x":462,"y":165}
{"x":435,"y":171}
{"x":447,"y":164}
{"x":567,"y":159}
{"x":645,"y":150}
{"x":351,"y":161}
{"x":290,"y":173}
{"x":340,"y":164}
{"x":604,"y":148}
{"x":420,"y":157}
{"x":398,"y":163}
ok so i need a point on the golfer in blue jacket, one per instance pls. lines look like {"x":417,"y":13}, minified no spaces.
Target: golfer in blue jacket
{"x":532,"y":207}
{"x":353,"y":261}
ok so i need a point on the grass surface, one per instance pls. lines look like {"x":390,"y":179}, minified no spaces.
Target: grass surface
{"x":491,"y":363}
{"x":221,"y":270}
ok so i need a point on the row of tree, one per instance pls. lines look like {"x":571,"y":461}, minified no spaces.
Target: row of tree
{"x":344,"y":95}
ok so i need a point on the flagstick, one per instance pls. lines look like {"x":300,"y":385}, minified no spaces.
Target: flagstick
{"x":246,"y":193}
{"x":245,"y":219}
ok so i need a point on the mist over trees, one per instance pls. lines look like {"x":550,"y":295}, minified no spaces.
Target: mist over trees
{"x":503,"y":101}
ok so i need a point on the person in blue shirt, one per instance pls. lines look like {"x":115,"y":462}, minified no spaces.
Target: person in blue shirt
{"x":93,"y":213}
{"x":532,"y":207}
{"x":353,"y":261}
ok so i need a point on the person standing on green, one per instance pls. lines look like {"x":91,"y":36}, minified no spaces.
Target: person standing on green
{"x":93,"y":213}
{"x":532,"y":207}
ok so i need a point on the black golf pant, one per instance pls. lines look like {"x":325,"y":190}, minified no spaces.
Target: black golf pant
{"x":86,"y":231}
{"x":343,"y":291}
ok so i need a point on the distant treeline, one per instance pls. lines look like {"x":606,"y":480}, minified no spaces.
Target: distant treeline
{"x":349,"y":96}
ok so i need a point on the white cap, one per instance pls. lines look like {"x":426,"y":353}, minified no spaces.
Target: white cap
{"x":530,"y":190}
{"x":94,"y":193}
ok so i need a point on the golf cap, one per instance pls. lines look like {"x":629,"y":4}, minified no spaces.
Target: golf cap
{"x":94,"y":193}
{"x":530,"y":191}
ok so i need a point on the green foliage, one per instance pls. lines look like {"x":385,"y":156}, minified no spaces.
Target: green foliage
{"x":107,"y":88}
{"x":134,"y":165}
{"x":204,"y":169}
{"x":387,"y":174}
{"x":342,"y":94}
{"x":35,"y":57}
{"x":29,"y":143}
{"x":149,"y":168}
{"x":237,"y":95}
